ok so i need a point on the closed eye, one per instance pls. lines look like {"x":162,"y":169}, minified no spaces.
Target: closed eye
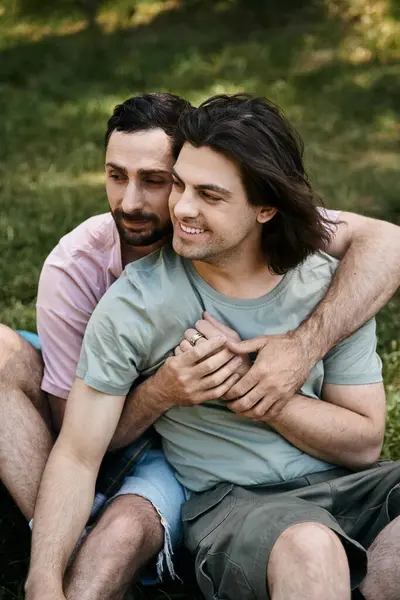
{"x":116,"y":176}
{"x":157,"y":181}
{"x":209,"y":196}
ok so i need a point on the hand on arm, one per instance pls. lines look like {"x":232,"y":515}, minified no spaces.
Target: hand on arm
{"x":347,"y":428}
{"x":366,"y":278}
{"x":67,"y":489}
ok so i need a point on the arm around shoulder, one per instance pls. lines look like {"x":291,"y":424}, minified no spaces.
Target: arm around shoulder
{"x":367,"y":276}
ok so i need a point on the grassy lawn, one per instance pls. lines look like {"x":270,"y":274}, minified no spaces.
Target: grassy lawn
{"x":333,"y":65}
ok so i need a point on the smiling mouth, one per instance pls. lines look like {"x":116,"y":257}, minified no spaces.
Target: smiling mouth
{"x":191,"y":230}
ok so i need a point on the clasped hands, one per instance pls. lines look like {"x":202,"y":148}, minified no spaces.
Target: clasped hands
{"x":219,"y":366}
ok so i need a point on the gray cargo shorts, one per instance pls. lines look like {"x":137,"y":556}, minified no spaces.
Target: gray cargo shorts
{"x":231,"y":530}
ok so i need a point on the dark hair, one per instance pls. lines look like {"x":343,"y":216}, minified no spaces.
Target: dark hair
{"x":148,"y":111}
{"x":269,"y":153}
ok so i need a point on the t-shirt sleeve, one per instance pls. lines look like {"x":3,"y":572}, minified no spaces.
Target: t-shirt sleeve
{"x":63,"y":310}
{"x":354,"y":361}
{"x":115,"y":345}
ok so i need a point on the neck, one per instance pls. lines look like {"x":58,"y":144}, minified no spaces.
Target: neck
{"x":244,"y":277}
{"x":131,"y":253}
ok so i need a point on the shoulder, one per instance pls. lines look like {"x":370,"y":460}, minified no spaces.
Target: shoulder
{"x":97,"y":233}
{"x":306,"y":285}
{"x":163,"y":259}
{"x":88,"y":257}
{"x":317,"y":267}
{"x":151,"y":285}
{"x":159,"y":269}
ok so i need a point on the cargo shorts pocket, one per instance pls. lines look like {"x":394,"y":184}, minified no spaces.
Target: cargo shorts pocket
{"x":204,"y":512}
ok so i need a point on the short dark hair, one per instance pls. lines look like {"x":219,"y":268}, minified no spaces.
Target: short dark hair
{"x":254,"y":133}
{"x":148,"y":111}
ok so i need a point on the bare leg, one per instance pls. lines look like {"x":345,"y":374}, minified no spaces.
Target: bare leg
{"x":308,"y":562}
{"x":25,"y":435}
{"x":383,"y":578}
{"x":127,"y":535}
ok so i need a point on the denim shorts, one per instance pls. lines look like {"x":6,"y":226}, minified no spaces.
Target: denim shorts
{"x":152,"y":478}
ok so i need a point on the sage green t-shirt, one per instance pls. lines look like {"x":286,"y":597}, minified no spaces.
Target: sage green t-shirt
{"x":143,"y":317}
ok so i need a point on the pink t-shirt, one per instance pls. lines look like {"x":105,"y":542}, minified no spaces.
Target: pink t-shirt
{"x":74,"y":277}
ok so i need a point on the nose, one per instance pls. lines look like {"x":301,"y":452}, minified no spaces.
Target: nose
{"x":186,"y":207}
{"x":133,"y":198}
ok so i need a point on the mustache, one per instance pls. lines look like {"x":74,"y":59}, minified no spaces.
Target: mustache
{"x":136,"y":216}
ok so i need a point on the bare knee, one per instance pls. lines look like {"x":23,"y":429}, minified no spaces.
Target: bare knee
{"x":20,"y":364}
{"x":310,"y":544}
{"x":131,"y":522}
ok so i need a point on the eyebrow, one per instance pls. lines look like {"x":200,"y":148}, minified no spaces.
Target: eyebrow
{"x":123,"y":170}
{"x":207,"y":186}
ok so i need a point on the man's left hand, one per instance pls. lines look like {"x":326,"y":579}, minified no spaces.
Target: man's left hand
{"x":210,"y":327}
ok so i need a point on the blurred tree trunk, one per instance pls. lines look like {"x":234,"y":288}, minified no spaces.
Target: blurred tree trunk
{"x":91,"y":8}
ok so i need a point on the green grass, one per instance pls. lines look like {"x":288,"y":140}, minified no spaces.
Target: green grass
{"x":333,"y":65}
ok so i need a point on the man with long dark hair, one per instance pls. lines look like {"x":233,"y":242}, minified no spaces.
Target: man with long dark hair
{"x":283,"y":505}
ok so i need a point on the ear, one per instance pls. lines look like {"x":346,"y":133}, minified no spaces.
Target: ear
{"x":266,"y":214}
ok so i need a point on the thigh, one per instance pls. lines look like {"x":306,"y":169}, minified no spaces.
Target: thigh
{"x":232,"y":533}
{"x":154,"y":479}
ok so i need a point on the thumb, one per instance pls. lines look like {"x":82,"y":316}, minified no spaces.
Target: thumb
{"x":247,"y":346}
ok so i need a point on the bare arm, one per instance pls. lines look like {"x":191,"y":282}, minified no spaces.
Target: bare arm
{"x":144,"y":405}
{"x":67,"y":489}
{"x":346,"y":429}
{"x":367,"y":276}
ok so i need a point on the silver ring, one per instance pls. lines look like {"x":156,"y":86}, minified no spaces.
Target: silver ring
{"x":195,"y":338}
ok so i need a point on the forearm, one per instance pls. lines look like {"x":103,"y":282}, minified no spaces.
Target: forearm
{"x":326,"y":431}
{"x":143,"y":406}
{"x":62,"y":510}
{"x":366,"y":278}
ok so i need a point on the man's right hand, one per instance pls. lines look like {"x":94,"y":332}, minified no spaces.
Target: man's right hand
{"x":203,"y":373}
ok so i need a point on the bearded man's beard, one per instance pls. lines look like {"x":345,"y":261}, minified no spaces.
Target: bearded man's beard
{"x":152,"y":234}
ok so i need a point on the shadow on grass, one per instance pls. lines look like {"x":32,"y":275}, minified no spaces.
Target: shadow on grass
{"x":14,"y":548}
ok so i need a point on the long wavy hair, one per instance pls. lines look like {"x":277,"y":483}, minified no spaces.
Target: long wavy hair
{"x":255,"y":134}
